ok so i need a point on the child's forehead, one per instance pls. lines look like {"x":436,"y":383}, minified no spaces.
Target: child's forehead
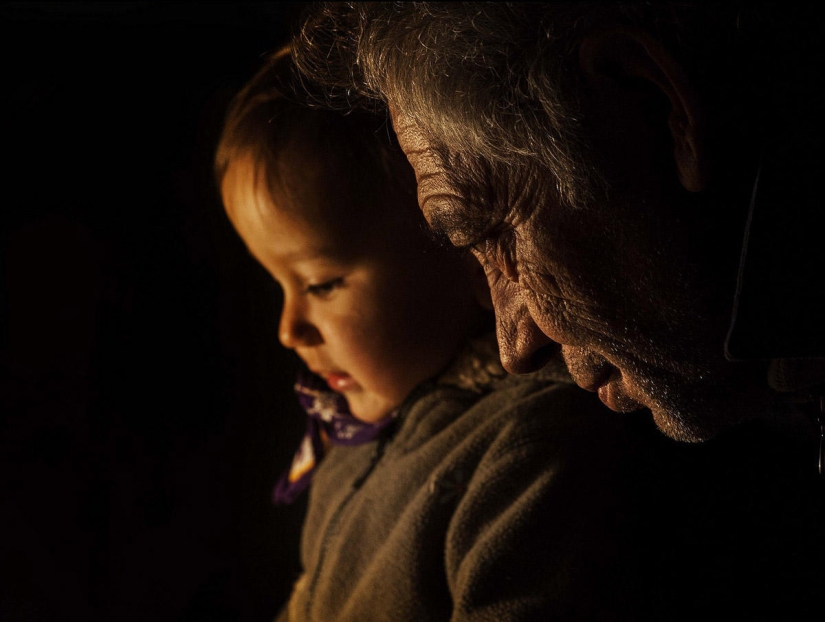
{"x":334,"y":216}
{"x":327,"y":197}
{"x":248,"y":192}
{"x":326,"y":211}
{"x":325,"y":228}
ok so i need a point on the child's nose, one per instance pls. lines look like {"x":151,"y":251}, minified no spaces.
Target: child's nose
{"x":295,"y":331}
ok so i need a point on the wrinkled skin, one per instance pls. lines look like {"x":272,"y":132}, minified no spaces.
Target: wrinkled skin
{"x":635,"y":290}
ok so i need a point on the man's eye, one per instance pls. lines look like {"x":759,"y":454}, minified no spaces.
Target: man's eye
{"x":496,"y":256}
{"x":322,"y":290}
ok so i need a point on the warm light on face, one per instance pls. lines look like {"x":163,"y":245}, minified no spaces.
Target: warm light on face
{"x":640,"y":331}
{"x":373,"y":312}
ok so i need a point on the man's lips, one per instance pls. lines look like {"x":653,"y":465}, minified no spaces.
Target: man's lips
{"x":589,"y":370}
{"x":593,"y":373}
{"x":596,"y":380}
{"x":613,"y":394}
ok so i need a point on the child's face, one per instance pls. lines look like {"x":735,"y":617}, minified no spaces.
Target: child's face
{"x":373,"y":310}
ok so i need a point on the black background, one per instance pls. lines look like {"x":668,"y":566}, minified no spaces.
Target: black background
{"x":147,"y":407}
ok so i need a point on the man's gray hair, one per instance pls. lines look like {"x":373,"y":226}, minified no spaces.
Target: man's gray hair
{"x":481,"y":79}
{"x":498,"y":83}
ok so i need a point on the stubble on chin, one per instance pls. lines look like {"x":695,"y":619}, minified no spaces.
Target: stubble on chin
{"x":674,"y":426}
{"x":696,"y":412}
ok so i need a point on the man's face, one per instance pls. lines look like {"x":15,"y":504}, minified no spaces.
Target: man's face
{"x":633,"y":289}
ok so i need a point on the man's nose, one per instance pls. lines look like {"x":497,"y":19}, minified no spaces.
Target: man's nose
{"x":295,"y":330}
{"x":523,"y":346}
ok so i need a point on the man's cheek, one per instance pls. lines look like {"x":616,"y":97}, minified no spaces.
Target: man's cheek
{"x":508,"y":303}
{"x":498,"y":296}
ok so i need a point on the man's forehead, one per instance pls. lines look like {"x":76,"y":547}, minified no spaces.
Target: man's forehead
{"x":415,"y":144}
{"x":448,"y":212}
{"x":403,"y":124}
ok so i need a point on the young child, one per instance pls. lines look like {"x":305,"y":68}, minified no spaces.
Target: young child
{"x":441,"y":488}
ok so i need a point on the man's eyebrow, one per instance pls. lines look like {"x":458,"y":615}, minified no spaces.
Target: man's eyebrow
{"x":460,"y":230}
{"x":437,"y":231}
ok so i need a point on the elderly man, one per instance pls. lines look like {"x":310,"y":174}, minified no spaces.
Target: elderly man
{"x":604,"y":162}
{"x":637,"y":181}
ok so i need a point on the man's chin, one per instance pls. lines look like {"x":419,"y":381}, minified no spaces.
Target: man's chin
{"x":666,"y":420}
{"x":681,"y":410}
{"x":615,"y":396}
{"x":698,"y":413}
{"x":678,"y":429}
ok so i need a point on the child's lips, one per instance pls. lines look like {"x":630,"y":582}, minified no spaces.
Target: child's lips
{"x":339,"y":381}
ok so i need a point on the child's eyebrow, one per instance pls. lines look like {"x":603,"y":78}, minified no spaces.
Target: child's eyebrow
{"x":323,"y":253}
{"x":302,"y":255}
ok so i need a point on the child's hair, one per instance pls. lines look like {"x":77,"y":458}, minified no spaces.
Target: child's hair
{"x":271,"y":122}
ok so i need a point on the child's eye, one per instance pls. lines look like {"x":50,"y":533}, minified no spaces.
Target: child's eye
{"x":324,"y":289}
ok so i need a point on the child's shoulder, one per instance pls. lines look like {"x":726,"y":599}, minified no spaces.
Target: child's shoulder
{"x":537,"y":410}
{"x":475,"y":403}
{"x":531,"y":406}
{"x":477,"y":368}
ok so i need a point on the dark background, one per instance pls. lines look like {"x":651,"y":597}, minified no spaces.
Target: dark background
{"x":146,"y":405}
{"x":146,"y":408}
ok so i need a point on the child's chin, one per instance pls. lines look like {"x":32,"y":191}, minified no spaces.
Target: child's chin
{"x":368,"y":411}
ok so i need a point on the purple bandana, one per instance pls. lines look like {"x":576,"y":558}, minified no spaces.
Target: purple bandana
{"x":328,"y":421}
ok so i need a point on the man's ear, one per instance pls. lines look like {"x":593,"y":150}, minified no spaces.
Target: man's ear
{"x":617,"y":58}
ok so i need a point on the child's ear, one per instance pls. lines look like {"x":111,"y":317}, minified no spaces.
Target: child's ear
{"x":478,"y":281}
